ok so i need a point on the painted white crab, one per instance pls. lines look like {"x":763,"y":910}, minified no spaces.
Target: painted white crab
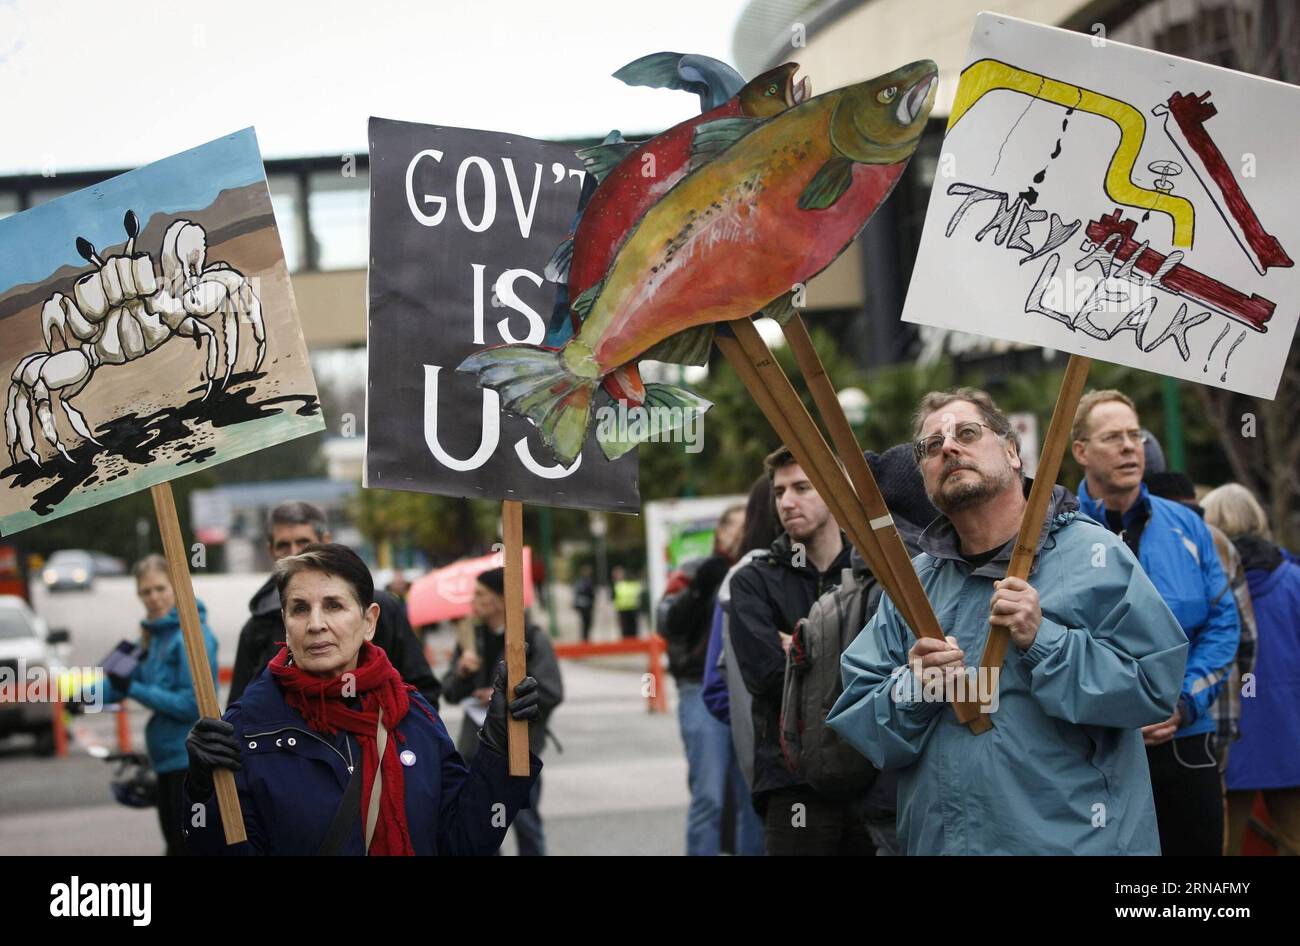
{"x":118,"y":313}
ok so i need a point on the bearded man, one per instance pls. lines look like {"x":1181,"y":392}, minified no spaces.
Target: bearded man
{"x":1095,"y":655}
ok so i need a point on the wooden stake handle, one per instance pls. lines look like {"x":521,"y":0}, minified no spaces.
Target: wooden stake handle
{"x":196,"y":650}
{"x":776,"y":397}
{"x":1040,"y":493}
{"x":512,"y":534}
{"x":895,"y":559}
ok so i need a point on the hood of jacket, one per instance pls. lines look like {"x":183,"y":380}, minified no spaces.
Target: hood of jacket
{"x":1257,"y":554}
{"x":940,"y":539}
{"x":266,"y":600}
{"x":170,"y":622}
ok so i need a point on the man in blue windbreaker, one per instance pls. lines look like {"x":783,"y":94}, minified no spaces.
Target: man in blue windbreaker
{"x":1094,"y":655}
{"x":1177,"y":552}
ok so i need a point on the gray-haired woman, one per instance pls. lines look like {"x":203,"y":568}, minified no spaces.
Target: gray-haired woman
{"x":334,"y":754}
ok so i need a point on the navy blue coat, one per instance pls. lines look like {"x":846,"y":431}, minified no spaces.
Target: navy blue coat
{"x":293,"y":779}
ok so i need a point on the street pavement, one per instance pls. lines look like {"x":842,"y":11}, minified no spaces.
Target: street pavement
{"x":617,"y":787}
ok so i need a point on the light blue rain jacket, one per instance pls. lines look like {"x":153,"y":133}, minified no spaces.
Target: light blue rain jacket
{"x":1064,"y":770}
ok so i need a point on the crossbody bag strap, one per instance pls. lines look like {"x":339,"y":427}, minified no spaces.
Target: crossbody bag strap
{"x":345,"y":817}
{"x":372,"y":814}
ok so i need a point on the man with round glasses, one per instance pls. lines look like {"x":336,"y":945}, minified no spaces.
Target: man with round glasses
{"x":1177,"y":552}
{"x":1095,"y":654}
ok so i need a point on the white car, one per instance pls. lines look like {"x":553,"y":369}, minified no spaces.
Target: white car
{"x":27,"y":654}
{"x":69,"y":569}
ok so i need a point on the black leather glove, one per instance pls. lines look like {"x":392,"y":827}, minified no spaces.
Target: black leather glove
{"x":120,"y":684}
{"x":211,"y":743}
{"x":525,"y":705}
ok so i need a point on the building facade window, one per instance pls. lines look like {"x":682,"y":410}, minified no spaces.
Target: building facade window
{"x":338,"y":209}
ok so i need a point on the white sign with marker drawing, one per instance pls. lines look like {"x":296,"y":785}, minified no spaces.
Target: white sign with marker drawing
{"x":1116,"y":203}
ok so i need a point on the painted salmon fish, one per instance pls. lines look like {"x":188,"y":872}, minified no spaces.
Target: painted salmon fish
{"x":626,"y":191}
{"x":769,"y":205}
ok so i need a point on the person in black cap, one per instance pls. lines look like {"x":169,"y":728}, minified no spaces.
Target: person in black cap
{"x":469,"y":682}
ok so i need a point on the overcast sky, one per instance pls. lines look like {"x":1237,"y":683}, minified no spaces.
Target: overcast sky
{"x":118,"y":83}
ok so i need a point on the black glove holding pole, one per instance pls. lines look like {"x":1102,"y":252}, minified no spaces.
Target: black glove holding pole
{"x":210,"y":744}
{"x":525,"y":705}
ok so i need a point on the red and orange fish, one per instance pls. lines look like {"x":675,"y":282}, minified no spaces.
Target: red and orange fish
{"x":633,"y":176}
{"x":768,"y":205}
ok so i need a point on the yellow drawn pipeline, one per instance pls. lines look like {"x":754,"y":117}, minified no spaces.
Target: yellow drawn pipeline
{"x":988,"y":75}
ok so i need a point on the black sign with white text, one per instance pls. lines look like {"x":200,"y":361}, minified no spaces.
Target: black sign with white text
{"x":462,"y":224}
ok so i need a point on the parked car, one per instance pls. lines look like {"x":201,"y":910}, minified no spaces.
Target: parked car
{"x":69,"y":569}
{"x":106,"y":566}
{"x":27,"y":661}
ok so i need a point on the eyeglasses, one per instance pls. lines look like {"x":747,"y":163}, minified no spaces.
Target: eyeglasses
{"x":1113,"y":438}
{"x":927,"y":448}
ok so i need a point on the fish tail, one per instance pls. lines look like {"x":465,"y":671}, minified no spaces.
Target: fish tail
{"x":536,"y":383}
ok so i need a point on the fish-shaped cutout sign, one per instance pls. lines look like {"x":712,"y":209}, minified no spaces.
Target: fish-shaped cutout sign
{"x":632,"y":177}
{"x":772,"y":204}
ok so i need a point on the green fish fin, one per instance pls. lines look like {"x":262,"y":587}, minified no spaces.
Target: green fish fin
{"x":781,"y":309}
{"x":557,"y":267}
{"x":582,"y":305}
{"x":677,"y":407}
{"x":713,"y":138}
{"x":535,"y":383}
{"x":828,"y":185}
{"x":690,"y":347}
{"x":600,"y":159}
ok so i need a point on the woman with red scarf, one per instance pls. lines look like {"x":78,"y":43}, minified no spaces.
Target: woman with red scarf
{"x":315,"y":771}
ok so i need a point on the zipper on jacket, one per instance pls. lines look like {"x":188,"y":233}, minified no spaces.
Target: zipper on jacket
{"x":271,"y":732}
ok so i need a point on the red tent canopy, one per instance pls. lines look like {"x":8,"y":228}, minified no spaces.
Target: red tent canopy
{"x":445,"y":594}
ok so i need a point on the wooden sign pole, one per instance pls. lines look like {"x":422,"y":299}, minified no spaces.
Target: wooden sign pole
{"x":895,"y":559}
{"x":1031,"y":526}
{"x":196,"y":651}
{"x":512,"y":534}
{"x":776,"y":397}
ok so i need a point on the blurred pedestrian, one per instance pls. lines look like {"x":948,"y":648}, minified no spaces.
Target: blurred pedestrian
{"x":290,"y":528}
{"x":686,"y":626}
{"x":627,"y":592}
{"x":398,"y":586}
{"x":333,"y":753}
{"x":584,"y":600}
{"x":1267,"y":757}
{"x":469,"y":683}
{"x":1177,"y":552}
{"x":1227,"y":708}
{"x":162,"y":682}
{"x":723,"y":692}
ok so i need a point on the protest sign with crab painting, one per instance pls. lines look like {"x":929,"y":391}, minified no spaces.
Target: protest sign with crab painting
{"x":1116,"y":203}
{"x":147,"y":326}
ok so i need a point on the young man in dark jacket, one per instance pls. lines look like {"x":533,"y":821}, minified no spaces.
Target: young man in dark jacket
{"x":768,"y":597}
{"x":471,"y":676}
{"x":290,"y":528}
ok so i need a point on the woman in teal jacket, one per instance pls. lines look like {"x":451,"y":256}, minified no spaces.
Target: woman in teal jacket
{"x":162,"y":683}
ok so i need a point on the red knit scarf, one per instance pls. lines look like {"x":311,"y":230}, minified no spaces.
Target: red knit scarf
{"x":321,"y":703}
